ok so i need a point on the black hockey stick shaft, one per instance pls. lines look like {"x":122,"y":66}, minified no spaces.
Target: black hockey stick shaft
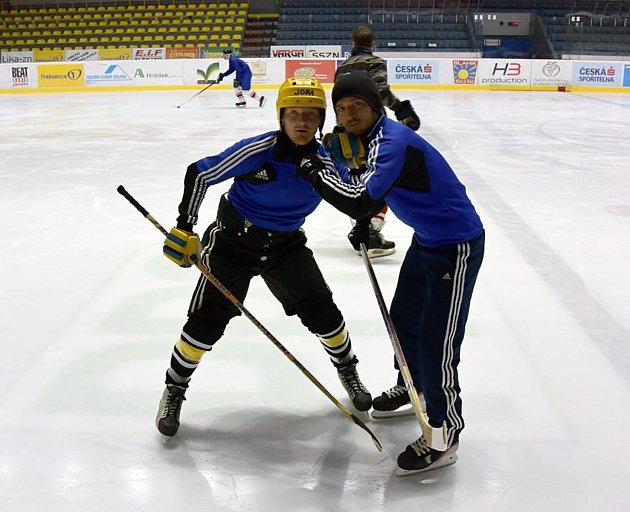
{"x":228,"y":295}
{"x":197,"y":94}
{"x":427,"y":430}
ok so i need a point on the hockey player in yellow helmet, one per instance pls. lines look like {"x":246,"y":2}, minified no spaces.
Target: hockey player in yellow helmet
{"x":302,"y":93}
{"x":257,"y":232}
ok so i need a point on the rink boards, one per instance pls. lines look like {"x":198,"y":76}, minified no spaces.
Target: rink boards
{"x":414,"y":73}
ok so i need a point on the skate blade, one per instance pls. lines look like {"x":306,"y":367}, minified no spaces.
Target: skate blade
{"x":166,"y":439}
{"x":404,"y":412}
{"x":379,"y":253}
{"x":362,"y":415}
{"x":448,"y":459}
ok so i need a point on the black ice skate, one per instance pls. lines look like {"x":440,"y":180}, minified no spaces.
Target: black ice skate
{"x":241,"y":104}
{"x":394,"y":403}
{"x":167,"y":419}
{"x":379,"y":246}
{"x":262,"y":101}
{"x":360,"y":396}
{"x":419,"y":456}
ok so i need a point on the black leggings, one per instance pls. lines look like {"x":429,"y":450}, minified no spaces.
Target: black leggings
{"x":235,"y":251}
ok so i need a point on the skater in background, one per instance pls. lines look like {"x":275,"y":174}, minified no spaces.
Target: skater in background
{"x":242,"y":80}
{"x":436,"y":280}
{"x":362,"y":58}
{"x":350,"y":152}
{"x":257,"y":231}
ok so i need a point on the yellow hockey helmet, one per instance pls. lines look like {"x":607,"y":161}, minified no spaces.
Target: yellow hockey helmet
{"x":301,"y":92}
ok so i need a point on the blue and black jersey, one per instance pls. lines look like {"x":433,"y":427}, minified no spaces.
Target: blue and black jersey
{"x":413,"y":179}
{"x":243,"y":72}
{"x":266,"y":189}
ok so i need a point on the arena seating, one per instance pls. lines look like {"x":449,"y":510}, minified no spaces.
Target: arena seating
{"x":260,"y":35}
{"x":410,"y":25}
{"x":124,"y":25}
{"x":591,"y":33}
{"x":572,"y":26}
{"x":578,"y":27}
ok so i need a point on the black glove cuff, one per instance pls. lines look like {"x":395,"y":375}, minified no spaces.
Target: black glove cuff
{"x":185,"y":226}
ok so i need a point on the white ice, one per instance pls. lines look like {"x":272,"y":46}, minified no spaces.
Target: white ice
{"x":90,"y":310}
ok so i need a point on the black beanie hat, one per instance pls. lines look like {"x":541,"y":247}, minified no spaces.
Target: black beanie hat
{"x":360,"y":85}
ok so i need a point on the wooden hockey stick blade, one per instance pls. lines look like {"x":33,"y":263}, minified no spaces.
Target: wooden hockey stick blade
{"x":377,"y":443}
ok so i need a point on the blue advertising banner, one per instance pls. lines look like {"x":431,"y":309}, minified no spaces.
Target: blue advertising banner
{"x":597,"y":74}
{"x":413,"y":71}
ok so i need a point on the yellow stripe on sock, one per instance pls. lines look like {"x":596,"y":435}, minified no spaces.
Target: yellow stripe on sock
{"x":191,"y":353}
{"x":337,"y":340}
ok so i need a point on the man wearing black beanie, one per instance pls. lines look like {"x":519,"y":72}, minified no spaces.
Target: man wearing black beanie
{"x":436,"y":280}
{"x":360,"y":85}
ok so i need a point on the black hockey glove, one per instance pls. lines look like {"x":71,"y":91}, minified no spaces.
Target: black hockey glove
{"x":220,"y":78}
{"x":405,"y":114}
{"x":360,"y":233}
{"x":310,"y":167}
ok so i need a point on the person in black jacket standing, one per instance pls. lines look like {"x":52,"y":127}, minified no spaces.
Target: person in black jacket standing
{"x":345,"y":148}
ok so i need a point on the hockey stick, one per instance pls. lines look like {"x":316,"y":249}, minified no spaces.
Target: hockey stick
{"x":210,"y":84}
{"x":228,"y":295}
{"x":435,"y":437}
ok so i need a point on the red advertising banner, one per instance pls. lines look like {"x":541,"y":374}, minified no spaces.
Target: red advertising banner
{"x":322,"y":70}
{"x":186,"y":52}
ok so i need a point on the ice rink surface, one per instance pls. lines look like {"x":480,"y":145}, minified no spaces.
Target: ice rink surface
{"x":90,"y":310}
